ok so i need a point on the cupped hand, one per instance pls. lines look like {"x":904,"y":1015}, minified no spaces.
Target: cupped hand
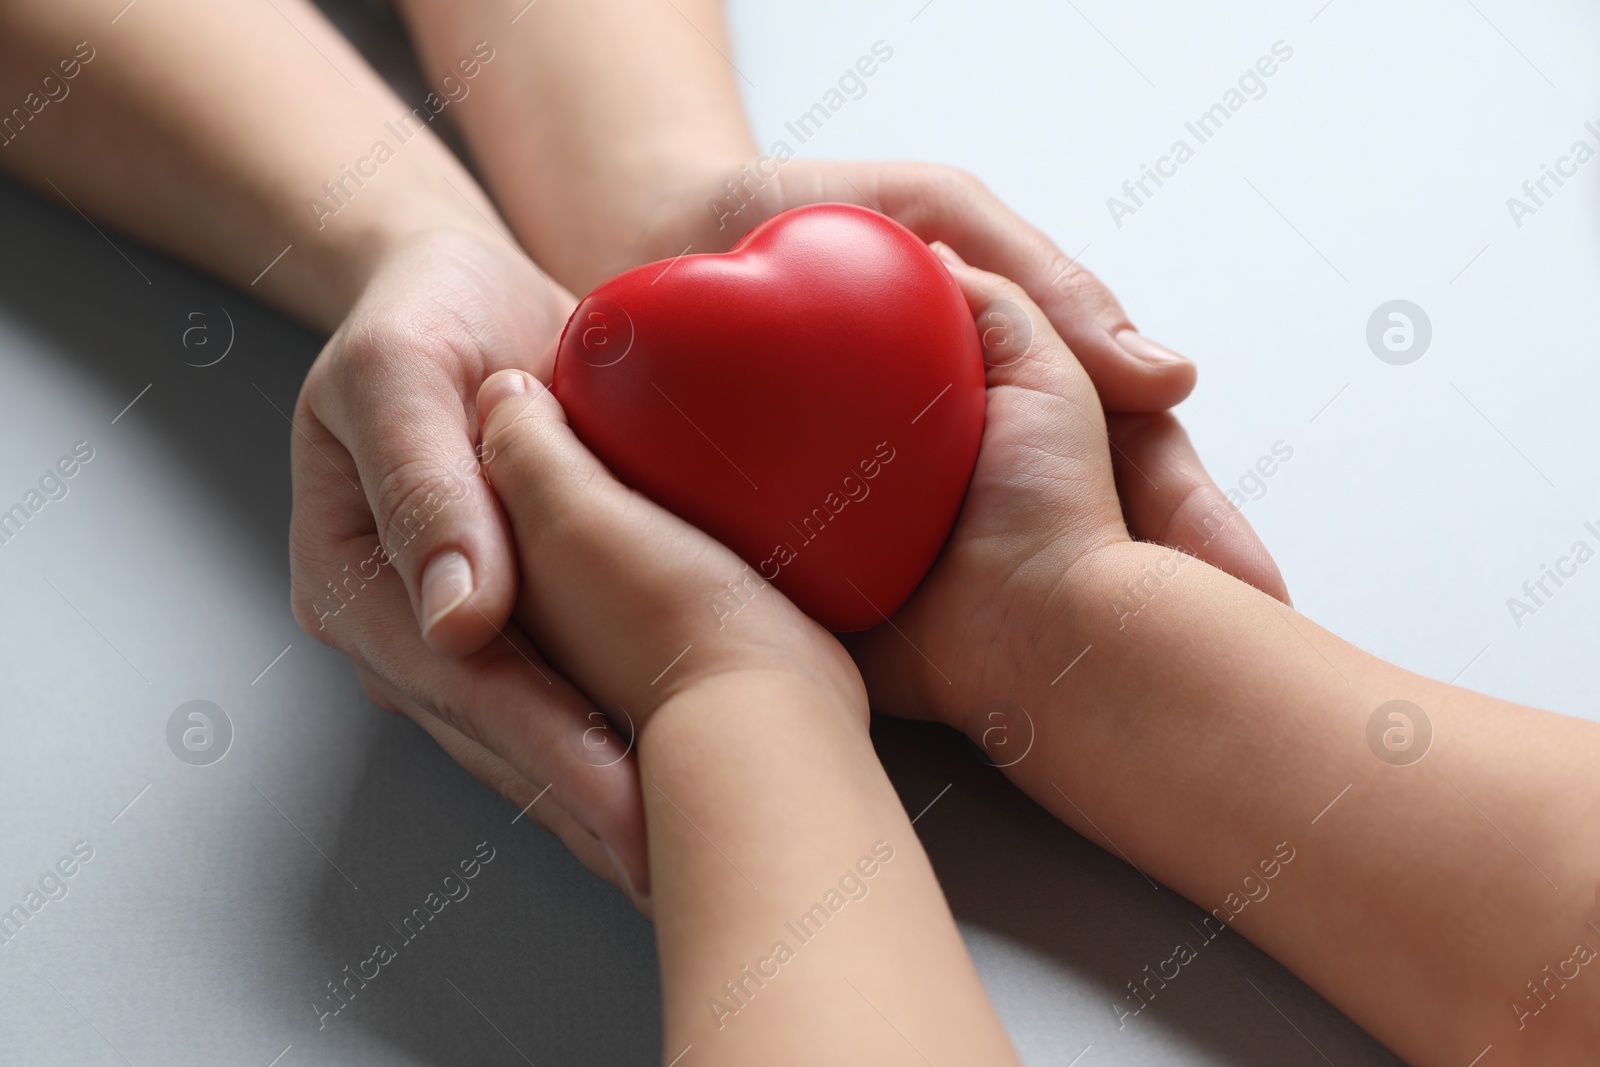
{"x":402,"y":558}
{"x":635,"y":605}
{"x":1166,"y":494}
{"x":1043,"y":500}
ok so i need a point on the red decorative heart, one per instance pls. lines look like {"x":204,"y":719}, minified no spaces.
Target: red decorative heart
{"x":813,"y":399}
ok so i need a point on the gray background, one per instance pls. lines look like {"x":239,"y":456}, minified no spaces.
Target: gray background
{"x":1419,"y":497}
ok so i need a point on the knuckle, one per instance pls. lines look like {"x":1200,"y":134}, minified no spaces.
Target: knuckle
{"x":375,"y":692}
{"x":455,"y":710}
{"x":411,"y":495}
{"x":1087,"y":295}
{"x":383,"y":341}
{"x":1202,"y":515}
{"x":961,"y":181}
{"x":1074,"y":281}
{"x":316,"y":610}
{"x":309,"y":613}
{"x":364,"y":351}
{"x":308,"y":602}
{"x":507,"y":437}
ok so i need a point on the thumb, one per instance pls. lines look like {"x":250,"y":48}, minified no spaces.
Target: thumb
{"x":412,"y":435}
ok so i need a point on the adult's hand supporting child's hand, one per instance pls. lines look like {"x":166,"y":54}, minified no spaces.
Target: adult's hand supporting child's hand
{"x":1166,"y":494}
{"x":762,"y":791}
{"x":640,"y":106}
{"x":401,"y":557}
{"x":625,"y":598}
{"x":215,"y":132}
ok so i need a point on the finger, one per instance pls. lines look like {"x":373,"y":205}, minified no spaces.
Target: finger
{"x":1020,"y":346}
{"x":1130,"y":371}
{"x":400,"y":405}
{"x":621,"y":589}
{"x":1165,"y":493}
{"x":1045,"y":448}
{"x":503,"y":697}
{"x":379,"y":692}
{"x":537,"y":803}
{"x":510,"y":703}
{"x":1168,"y":497}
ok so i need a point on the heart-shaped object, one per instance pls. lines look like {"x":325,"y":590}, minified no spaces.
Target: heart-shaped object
{"x":813,"y":399}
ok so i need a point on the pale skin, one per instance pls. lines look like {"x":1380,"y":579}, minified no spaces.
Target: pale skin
{"x":762,"y":791}
{"x":208,"y":129}
{"x":1274,"y":710}
{"x":212,"y":158}
{"x":1207,"y":723}
{"x":640,"y":105}
{"x":1203,"y":736}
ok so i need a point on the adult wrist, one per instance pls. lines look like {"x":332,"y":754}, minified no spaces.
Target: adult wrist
{"x":649,"y":206}
{"x":337,"y":253}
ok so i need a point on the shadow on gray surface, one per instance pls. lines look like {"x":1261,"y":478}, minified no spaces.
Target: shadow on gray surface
{"x":1009,"y":868}
{"x":68,"y":284}
{"x":532,"y":953}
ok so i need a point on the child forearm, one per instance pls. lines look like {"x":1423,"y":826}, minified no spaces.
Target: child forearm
{"x":1231,"y":748}
{"x":795,"y":908}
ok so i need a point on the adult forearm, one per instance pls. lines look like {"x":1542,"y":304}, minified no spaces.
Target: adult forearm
{"x":1231,"y":748}
{"x":791,"y":889}
{"x":226,"y":134}
{"x":591,"y":118}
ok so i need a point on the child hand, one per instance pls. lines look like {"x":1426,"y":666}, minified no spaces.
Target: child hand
{"x":1042,"y":501}
{"x":631,"y":603}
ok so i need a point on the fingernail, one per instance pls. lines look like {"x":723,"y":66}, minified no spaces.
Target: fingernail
{"x":622,"y":873}
{"x":948,"y":254}
{"x":1145,"y":350}
{"x":446,"y":584}
{"x":500,"y":387}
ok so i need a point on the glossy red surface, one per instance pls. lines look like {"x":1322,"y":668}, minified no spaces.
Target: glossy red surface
{"x":813,"y":399}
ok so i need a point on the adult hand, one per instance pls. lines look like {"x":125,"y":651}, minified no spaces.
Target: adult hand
{"x":642,"y":109}
{"x":1166,"y":494}
{"x":402,"y":558}
{"x":628,"y":598}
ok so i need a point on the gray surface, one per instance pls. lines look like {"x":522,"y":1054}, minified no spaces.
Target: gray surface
{"x":1376,"y":167}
